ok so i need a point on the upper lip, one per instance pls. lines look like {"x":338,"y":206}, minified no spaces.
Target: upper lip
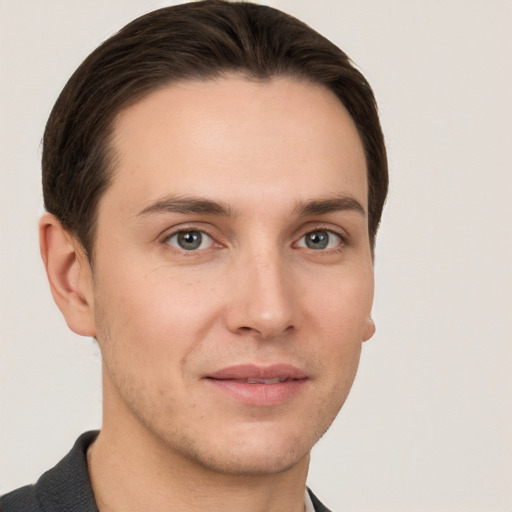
{"x":252,"y":371}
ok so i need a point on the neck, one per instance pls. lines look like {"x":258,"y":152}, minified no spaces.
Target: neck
{"x":130,"y":469}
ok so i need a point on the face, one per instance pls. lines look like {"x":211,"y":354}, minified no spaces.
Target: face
{"x":233,"y":280}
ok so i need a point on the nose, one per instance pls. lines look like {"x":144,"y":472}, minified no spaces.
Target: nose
{"x":263,"y":302}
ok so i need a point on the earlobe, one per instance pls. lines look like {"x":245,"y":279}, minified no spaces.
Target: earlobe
{"x":69,"y":275}
{"x":369,"y":329}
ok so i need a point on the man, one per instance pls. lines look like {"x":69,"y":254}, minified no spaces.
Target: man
{"x":214,"y":176}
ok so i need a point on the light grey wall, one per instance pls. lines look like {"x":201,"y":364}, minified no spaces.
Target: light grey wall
{"x":428,"y":426}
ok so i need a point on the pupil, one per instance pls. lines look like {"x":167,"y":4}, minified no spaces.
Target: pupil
{"x":317,"y":240}
{"x":190,"y":240}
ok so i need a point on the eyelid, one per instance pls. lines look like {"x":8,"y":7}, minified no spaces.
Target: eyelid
{"x":176,"y":230}
{"x":304,"y":230}
{"x":205,"y":239}
{"x":335,"y":230}
{"x":323,"y":226}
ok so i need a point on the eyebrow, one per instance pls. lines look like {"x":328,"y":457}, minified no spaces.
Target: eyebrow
{"x":329,"y":205}
{"x":186,"y":205}
{"x":175,"y":204}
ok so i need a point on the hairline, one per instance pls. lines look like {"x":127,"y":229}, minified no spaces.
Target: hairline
{"x":111,"y":157}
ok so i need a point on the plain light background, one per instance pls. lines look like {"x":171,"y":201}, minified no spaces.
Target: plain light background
{"x":428,"y":425}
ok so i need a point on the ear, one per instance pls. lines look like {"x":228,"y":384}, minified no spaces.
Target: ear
{"x":69,"y":274}
{"x":369,"y":329}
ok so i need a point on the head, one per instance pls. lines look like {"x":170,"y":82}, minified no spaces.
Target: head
{"x":214,"y":176}
{"x":195,"y":41}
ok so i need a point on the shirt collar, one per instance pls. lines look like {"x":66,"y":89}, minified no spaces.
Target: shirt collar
{"x":308,"y":504}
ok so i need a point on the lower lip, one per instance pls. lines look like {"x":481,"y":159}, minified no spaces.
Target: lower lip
{"x":262,"y":395}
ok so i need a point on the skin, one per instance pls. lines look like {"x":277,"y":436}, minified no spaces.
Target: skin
{"x":254,"y":292}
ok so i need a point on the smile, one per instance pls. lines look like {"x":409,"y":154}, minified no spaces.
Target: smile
{"x":275,"y":380}
{"x":259,"y":386}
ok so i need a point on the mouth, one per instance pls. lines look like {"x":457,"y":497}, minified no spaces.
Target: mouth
{"x":262,"y":386}
{"x":274,"y":380}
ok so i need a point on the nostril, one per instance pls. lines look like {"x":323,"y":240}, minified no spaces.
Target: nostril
{"x":264,"y":334}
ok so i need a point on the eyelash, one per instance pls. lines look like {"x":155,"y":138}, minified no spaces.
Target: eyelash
{"x":343,"y":241}
{"x":339,"y":245}
{"x":191,"y":229}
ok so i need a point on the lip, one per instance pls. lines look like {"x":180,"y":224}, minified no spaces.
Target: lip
{"x":246,"y":383}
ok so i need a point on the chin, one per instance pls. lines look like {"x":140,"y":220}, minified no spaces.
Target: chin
{"x":250,"y":454}
{"x":251,"y":463}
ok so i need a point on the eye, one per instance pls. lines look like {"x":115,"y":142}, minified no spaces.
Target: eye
{"x":320,"y":239}
{"x":190,"y":240}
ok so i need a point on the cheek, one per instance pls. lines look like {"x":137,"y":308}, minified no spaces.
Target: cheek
{"x":156,"y":318}
{"x":342,"y":306}
{"x":341,"y":319}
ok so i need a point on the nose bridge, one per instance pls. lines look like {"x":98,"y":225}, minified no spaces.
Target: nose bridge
{"x":264,"y":300}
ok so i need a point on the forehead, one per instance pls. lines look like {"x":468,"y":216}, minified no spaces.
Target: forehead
{"x":236,"y":137}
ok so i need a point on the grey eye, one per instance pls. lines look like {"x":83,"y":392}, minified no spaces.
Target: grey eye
{"x":320,"y":239}
{"x":190,"y":240}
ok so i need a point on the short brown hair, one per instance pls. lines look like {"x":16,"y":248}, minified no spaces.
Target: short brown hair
{"x":198,"y":40}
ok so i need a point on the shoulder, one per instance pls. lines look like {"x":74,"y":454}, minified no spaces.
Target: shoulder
{"x":64,"y":488}
{"x":21,"y":500}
